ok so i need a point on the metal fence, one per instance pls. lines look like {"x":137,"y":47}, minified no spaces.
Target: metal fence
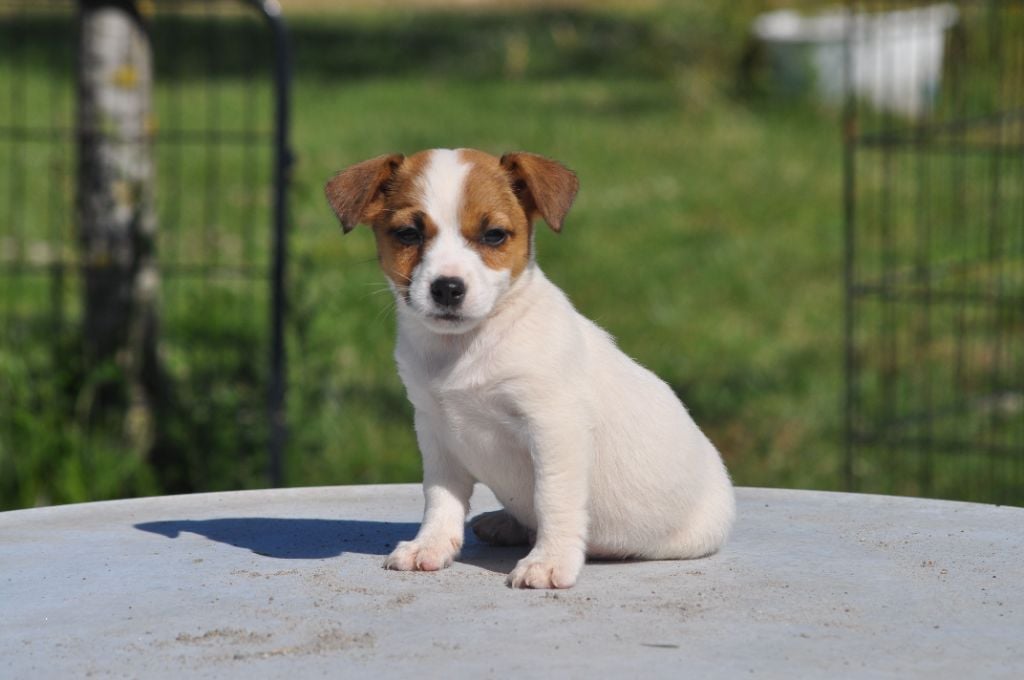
{"x":219,"y":135}
{"x":934,"y":203}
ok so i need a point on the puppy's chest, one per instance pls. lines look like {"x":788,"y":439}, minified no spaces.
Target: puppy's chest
{"x":468,"y":404}
{"x":479,"y":417}
{"x":487,"y":435}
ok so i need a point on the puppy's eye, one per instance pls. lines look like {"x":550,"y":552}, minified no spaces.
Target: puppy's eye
{"x":408,"y":236}
{"x":494,"y":237}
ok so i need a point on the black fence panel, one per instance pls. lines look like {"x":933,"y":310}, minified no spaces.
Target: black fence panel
{"x":219,"y":136}
{"x":935,"y":249}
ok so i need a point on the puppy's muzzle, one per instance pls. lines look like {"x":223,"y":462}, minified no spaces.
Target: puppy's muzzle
{"x":448,"y":291}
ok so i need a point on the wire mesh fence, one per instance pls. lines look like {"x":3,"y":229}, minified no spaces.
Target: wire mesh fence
{"x":216,"y":134}
{"x":935,"y":249}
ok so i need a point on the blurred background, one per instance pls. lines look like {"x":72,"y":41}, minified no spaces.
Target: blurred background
{"x":808,"y":218}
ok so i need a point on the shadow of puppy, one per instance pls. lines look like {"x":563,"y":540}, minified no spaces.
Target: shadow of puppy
{"x":293,"y":538}
{"x":312,"y":539}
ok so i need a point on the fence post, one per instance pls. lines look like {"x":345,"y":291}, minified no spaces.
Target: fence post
{"x":115,"y":204}
{"x":282,"y":171}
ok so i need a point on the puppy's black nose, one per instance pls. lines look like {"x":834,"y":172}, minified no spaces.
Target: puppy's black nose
{"x":448,"y":291}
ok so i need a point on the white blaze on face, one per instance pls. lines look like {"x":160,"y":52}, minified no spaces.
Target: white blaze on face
{"x":442,"y":189}
{"x":441,"y":186}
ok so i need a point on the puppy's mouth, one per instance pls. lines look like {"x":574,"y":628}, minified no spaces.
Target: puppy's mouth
{"x":450,"y":317}
{"x":448,"y":322}
{"x":441,"y":316}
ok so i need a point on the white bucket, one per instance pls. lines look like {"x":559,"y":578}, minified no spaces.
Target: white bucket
{"x":896,"y":57}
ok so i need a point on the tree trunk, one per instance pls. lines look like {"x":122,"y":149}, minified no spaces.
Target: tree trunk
{"x":116,"y":214}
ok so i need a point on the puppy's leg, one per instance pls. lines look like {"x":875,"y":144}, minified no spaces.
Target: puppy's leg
{"x":446,"y":490}
{"x":561,"y":454}
{"x":500,"y":528}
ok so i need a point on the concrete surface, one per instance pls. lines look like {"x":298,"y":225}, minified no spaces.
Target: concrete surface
{"x":288,"y":584}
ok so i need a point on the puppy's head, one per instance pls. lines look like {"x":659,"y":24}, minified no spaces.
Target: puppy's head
{"x":453,"y":227}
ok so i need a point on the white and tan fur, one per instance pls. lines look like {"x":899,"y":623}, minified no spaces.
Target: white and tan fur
{"x":589,"y":453}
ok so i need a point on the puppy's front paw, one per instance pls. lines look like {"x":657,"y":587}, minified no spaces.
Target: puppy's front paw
{"x":540,"y":570}
{"x":423,"y":555}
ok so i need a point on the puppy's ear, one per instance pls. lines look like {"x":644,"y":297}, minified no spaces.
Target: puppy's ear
{"x":544,"y":187}
{"x":356,"y":192}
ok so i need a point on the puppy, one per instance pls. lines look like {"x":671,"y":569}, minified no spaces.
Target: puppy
{"x":588,"y":452}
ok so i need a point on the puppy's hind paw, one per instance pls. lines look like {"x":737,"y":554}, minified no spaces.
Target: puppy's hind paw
{"x":500,"y":528}
{"x":420,"y":555}
{"x":543,"y":571}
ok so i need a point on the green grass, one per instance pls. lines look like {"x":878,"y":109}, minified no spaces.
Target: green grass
{"x":706,"y":238}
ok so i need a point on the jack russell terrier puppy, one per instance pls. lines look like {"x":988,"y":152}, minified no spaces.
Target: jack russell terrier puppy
{"x":589,"y":453}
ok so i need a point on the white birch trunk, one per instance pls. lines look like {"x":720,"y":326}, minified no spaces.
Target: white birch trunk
{"x":116,"y":212}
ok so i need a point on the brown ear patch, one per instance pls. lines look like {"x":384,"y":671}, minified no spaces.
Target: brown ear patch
{"x":544,"y":187}
{"x":356,"y":193}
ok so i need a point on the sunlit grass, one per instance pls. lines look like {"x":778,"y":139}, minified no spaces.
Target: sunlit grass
{"x":706,"y":238}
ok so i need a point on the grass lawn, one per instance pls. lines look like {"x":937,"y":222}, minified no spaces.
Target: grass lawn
{"x":706,"y":236}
